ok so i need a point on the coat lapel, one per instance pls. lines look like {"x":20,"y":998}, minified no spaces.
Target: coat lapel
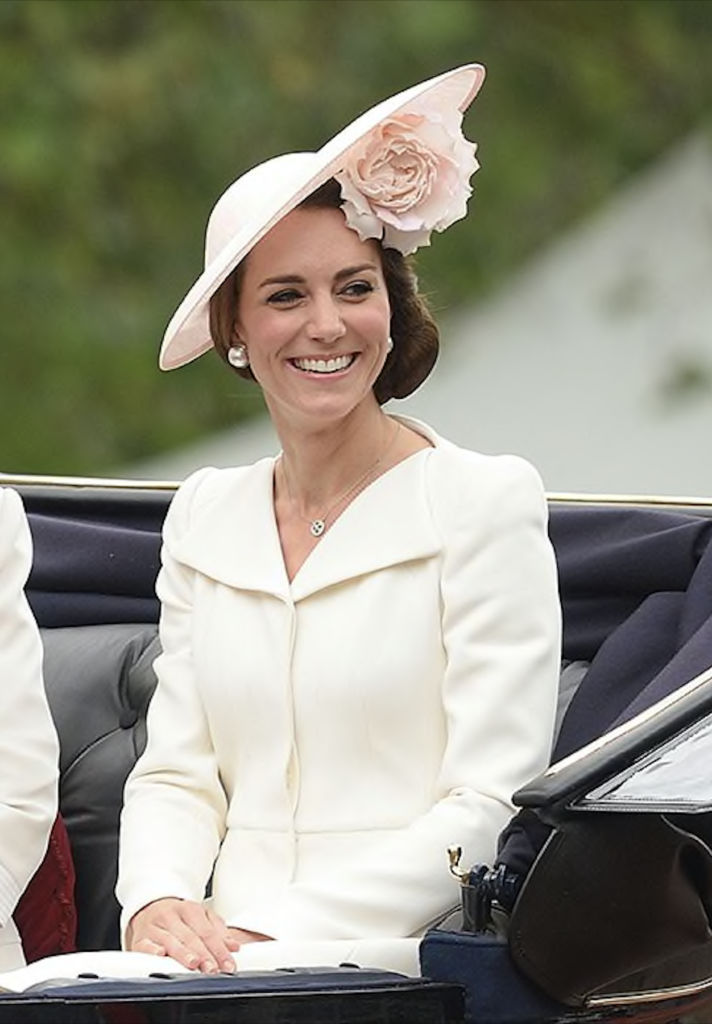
{"x":387,"y":523}
{"x":233,"y":536}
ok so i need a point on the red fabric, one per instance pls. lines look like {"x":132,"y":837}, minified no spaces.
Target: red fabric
{"x":45,"y":915}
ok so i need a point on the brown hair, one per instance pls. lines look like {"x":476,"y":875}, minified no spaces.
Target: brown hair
{"x":413,"y":330}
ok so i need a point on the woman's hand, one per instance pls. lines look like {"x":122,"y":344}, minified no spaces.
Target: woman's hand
{"x":242,"y":936}
{"x":190,"y":932}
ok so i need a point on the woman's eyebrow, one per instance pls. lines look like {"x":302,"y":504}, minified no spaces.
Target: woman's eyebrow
{"x":282,"y":279}
{"x":350,"y":271}
{"x":297,"y":279}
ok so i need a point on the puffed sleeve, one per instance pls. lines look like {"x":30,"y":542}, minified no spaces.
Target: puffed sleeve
{"x":29,"y":749}
{"x":501,"y":634}
{"x":173,"y":817}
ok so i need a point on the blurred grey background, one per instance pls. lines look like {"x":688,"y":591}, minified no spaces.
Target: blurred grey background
{"x":575,"y":300}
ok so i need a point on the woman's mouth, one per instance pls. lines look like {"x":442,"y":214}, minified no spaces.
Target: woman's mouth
{"x":333,"y":365}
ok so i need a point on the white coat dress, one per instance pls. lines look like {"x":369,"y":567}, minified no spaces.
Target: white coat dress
{"x":29,"y":750}
{"x":320,"y":743}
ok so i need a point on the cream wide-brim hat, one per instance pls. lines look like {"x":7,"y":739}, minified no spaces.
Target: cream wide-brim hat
{"x":253,"y":204}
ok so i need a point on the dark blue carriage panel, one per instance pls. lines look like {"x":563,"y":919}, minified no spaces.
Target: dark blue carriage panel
{"x":96,"y":554}
{"x":495,"y":991}
{"x":636,"y":591}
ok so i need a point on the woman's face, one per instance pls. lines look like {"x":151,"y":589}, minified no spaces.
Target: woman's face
{"x":313,"y":311}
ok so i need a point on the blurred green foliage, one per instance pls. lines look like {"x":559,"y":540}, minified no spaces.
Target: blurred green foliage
{"x":123,"y":120}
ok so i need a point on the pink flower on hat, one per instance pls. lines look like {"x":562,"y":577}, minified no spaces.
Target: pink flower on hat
{"x":407,"y":177}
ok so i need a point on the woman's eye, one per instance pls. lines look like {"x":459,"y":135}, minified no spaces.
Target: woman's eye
{"x":356,"y":289}
{"x":284,"y":297}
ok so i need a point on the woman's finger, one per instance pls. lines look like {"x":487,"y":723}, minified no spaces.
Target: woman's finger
{"x":213,"y":933}
{"x":146,"y":945}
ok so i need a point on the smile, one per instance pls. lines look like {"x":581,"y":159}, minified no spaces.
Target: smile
{"x":324,"y":365}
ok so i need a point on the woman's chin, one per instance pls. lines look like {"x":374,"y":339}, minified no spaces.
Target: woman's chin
{"x":322,"y":408}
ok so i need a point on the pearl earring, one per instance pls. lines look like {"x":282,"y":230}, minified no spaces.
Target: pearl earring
{"x":237,"y":356}
{"x":389,"y":344}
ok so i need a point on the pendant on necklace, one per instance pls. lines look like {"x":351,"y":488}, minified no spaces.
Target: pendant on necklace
{"x":317,"y":527}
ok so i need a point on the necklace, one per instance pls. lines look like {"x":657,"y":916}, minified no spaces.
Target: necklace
{"x":317,"y":526}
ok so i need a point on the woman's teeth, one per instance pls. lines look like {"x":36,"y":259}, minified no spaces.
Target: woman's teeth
{"x":324,"y":365}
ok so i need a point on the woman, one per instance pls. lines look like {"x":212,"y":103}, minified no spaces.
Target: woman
{"x":28,"y":742}
{"x":361,"y":636}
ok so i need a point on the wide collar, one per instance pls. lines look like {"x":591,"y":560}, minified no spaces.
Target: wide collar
{"x":233,"y":534}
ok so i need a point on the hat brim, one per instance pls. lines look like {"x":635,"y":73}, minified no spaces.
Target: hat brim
{"x":188,"y":333}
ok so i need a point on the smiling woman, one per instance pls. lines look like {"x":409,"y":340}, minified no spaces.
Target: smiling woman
{"x":325,"y":299}
{"x":360,"y":636}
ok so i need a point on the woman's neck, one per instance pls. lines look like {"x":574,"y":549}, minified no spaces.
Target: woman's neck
{"x":319,"y":463}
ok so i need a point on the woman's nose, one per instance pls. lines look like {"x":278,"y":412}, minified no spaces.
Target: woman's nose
{"x":325,"y":322}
